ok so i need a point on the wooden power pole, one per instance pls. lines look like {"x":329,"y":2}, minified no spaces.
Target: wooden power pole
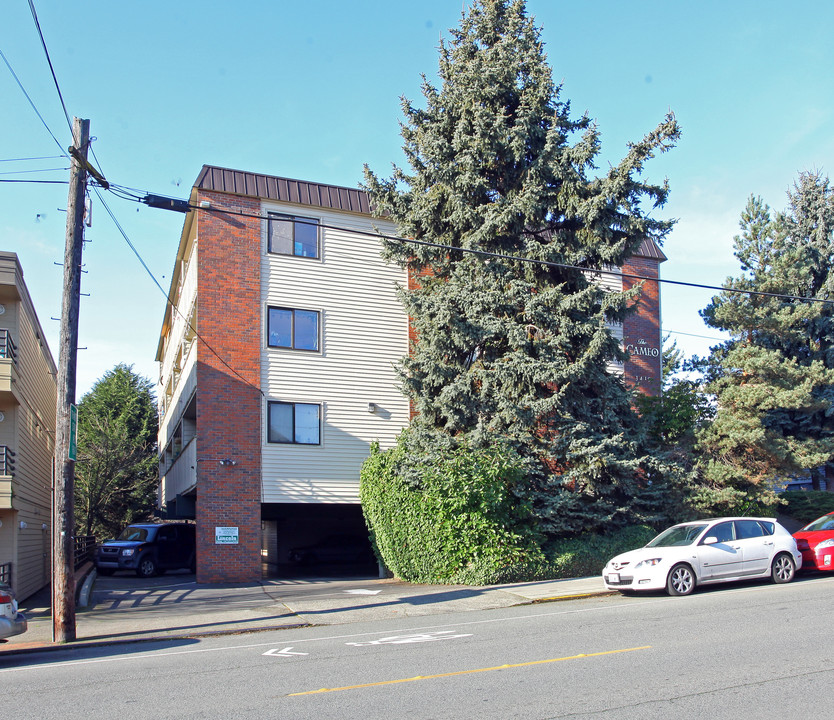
{"x":63,"y":545}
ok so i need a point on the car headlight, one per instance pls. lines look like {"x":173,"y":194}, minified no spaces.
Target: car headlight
{"x":127,"y":552}
{"x":825,"y":544}
{"x":651,"y":562}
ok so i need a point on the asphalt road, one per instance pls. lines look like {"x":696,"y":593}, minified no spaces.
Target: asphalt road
{"x":745,"y":651}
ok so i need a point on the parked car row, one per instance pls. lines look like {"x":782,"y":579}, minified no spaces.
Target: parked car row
{"x":722,"y":550}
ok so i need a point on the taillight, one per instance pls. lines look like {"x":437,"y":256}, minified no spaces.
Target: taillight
{"x":5,"y":598}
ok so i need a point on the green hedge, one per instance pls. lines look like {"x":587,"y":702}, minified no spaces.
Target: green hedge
{"x":580,"y":556}
{"x":431,"y":519}
{"x":806,"y":505}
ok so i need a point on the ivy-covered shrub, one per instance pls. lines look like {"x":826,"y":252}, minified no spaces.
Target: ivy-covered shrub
{"x":580,"y":556}
{"x":807,"y":505}
{"x":430,"y":518}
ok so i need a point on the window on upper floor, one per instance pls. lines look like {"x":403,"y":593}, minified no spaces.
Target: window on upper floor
{"x":293,"y":235}
{"x":295,"y":329}
{"x":297,"y":423}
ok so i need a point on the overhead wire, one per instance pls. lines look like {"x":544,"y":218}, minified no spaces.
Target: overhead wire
{"x":521,"y":259}
{"x":32,"y":103}
{"x":51,"y":68}
{"x":164,"y":292}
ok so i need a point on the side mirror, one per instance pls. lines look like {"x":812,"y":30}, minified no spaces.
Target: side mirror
{"x":711,"y":540}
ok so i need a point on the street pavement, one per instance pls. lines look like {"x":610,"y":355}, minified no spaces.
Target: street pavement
{"x":126,"y":609}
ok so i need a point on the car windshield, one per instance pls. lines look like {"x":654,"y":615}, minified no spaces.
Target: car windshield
{"x":826,"y":522}
{"x":678,"y":535}
{"x":139,"y":534}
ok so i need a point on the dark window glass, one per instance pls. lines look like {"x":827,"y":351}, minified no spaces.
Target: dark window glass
{"x":748,"y":529}
{"x":306,"y":330}
{"x":297,"y":329}
{"x":280,"y":327}
{"x":294,"y":423}
{"x":292,"y":235}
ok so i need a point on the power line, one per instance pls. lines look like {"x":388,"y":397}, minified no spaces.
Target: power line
{"x":27,"y":159}
{"x":26,"y":172}
{"x":502,"y":256}
{"x":37,"y":112}
{"x":38,"y":182}
{"x":51,"y":69}
{"x":167,"y":300}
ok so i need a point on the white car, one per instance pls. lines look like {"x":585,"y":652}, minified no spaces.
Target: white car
{"x":12,"y":622}
{"x":706,"y":551}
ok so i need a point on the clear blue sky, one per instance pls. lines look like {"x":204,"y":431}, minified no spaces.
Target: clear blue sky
{"x":311,"y":91}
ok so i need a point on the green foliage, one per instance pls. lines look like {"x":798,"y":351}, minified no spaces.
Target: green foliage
{"x":507,"y":348}
{"x":773,"y":382}
{"x":430,"y":518}
{"x":116,"y":474}
{"x":807,"y":505}
{"x":580,"y":556}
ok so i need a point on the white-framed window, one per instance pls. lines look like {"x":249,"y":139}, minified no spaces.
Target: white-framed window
{"x":293,"y":235}
{"x":292,"y":328}
{"x":294,"y":423}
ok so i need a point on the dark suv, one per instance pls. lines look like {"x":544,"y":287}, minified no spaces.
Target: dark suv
{"x":149,"y":549}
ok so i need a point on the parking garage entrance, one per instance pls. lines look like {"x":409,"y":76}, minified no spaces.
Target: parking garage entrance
{"x":315,"y":540}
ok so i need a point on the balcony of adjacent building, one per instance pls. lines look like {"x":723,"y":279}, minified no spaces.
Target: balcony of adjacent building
{"x":8,"y":366}
{"x":7,"y":462}
{"x":178,"y":463}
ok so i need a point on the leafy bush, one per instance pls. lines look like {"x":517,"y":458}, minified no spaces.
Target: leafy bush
{"x":579,"y":556}
{"x":431,"y":518}
{"x":807,"y":505}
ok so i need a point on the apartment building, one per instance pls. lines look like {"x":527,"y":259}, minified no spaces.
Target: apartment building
{"x":277,"y":355}
{"x":27,"y":436}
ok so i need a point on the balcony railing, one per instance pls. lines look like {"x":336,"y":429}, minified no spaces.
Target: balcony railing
{"x":6,"y":460}
{"x":85,"y":546}
{"x":8,"y":349}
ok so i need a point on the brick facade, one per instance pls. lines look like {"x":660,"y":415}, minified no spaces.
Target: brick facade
{"x":229,"y":404}
{"x":641,"y":330}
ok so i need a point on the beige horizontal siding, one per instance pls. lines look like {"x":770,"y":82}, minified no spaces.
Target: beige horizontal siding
{"x":363,"y":333}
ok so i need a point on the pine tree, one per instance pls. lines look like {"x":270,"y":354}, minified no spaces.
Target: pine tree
{"x":510,"y":350}
{"x":774,"y":379}
{"x":117,"y":472}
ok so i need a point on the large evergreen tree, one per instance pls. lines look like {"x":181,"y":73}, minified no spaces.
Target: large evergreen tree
{"x":510,"y":350}
{"x":774,"y":379}
{"x":117,"y":473}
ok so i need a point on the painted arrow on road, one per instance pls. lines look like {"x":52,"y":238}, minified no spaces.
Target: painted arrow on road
{"x":283,"y":653}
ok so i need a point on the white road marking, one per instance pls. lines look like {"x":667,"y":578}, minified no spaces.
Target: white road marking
{"x":283,"y":653}
{"x":363,"y":592}
{"x":418,"y":638}
{"x":531,"y":616}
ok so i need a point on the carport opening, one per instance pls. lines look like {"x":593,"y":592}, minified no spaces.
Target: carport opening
{"x":315,"y":541}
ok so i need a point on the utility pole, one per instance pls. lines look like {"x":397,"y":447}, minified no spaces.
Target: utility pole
{"x":63,"y":546}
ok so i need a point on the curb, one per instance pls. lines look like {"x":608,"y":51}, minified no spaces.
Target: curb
{"x":27,"y":649}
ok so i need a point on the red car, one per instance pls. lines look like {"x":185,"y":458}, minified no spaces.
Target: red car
{"x":816,"y":543}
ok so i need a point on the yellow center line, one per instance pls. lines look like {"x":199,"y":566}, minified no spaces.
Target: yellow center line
{"x":468,"y":672}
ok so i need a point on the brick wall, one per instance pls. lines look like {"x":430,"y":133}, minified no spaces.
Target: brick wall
{"x":641,"y":330}
{"x":228,"y":397}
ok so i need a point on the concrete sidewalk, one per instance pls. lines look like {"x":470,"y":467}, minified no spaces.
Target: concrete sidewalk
{"x":122,"y":609}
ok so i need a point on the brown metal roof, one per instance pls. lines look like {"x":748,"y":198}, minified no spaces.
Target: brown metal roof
{"x":301,"y":192}
{"x":650,"y":249}
{"x":270,"y":187}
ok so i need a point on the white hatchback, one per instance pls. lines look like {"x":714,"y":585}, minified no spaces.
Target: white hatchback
{"x":706,"y":551}
{"x":12,"y":622}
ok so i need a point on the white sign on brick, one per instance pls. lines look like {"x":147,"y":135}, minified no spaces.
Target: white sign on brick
{"x":225,"y":536}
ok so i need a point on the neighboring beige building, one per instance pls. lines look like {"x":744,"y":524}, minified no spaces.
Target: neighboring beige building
{"x":27,"y":436}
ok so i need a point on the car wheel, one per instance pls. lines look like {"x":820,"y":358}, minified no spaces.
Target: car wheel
{"x":681,"y":580}
{"x":783,"y":568}
{"x":107,"y":572}
{"x":146,"y":568}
